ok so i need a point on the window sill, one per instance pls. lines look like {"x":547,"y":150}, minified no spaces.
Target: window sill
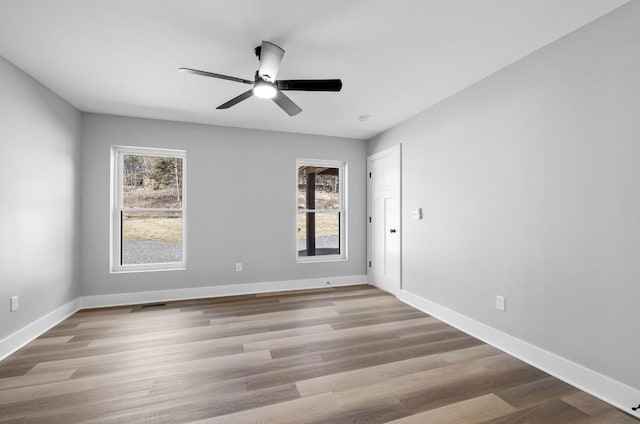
{"x":320,"y":260}
{"x":127,"y":271}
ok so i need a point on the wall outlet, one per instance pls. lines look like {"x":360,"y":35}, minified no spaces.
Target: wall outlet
{"x":238,"y":266}
{"x":501,"y":303}
{"x":14,"y":304}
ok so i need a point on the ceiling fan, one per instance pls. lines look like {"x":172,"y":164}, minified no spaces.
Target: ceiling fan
{"x":266,"y":86}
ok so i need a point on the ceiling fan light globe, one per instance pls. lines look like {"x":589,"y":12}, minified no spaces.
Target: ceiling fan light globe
{"x":264,"y":90}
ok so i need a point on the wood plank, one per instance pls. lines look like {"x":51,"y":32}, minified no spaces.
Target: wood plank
{"x":292,"y":412}
{"x":384,"y":372}
{"x":381,"y":412}
{"x":553,"y":411}
{"x":147,"y":356}
{"x":20,"y":394}
{"x":464,"y":388}
{"x":335,"y":335}
{"x":48,"y":341}
{"x":202,"y":335}
{"x":536,"y":392}
{"x":472,"y":411}
{"x":586,"y":403}
{"x":369,"y":375}
{"x":35,"y":379}
{"x":405,"y":385}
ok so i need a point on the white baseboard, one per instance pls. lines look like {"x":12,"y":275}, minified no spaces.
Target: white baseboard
{"x":609,"y":390}
{"x":104,"y":300}
{"x":20,"y":338}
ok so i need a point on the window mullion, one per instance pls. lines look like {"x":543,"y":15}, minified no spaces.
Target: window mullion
{"x":320,"y":210}
{"x":151,"y":209}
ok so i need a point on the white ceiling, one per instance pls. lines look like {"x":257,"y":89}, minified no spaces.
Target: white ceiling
{"x":395,"y":57}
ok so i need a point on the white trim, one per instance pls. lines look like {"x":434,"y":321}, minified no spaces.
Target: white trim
{"x":342,"y":210}
{"x":133,"y":298}
{"x":386,"y":152}
{"x":609,"y":390}
{"x":22,"y":337}
{"x":117,"y":154}
{"x":27,"y":334}
{"x":393,"y":150}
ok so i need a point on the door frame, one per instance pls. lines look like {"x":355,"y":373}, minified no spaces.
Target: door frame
{"x":388,"y":151}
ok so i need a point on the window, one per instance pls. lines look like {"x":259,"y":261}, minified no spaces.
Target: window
{"x":321,"y":214}
{"x":148,"y":209}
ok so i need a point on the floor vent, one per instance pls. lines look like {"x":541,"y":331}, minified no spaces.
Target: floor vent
{"x":152,"y":306}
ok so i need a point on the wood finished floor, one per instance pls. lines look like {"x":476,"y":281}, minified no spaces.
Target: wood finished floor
{"x":336,"y":355}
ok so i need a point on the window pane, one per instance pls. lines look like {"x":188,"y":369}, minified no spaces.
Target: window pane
{"x":318,"y":187}
{"x":151,"y":182}
{"x":302,"y":187}
{"x":327,"y":194}
{"x":151,"y":237}
{"x":318,"y":233}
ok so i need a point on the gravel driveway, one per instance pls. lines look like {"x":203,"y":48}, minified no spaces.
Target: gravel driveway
{"x":324,"y":246}
{"x":135,"y":251}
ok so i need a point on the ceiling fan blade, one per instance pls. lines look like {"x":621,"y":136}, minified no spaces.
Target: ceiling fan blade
{"x":236,"y":100}
{"x":211,"y":74}
{"x":310,"y":85}
{"x":270,"y":58}
{"x":287,"y":104}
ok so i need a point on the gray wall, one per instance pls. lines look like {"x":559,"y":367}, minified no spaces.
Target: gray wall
{"x":40,"y":141}
{"x":241,"y":203}
{"x":529,"y":182}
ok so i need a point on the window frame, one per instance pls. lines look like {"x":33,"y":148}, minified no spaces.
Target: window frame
{"x":117,"y":207}
{"x":342,"y":210}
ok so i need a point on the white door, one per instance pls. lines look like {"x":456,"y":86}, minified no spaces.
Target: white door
{"x":383,"y":192}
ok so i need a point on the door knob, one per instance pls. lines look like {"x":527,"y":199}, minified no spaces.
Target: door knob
{"x":393,"y":230}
